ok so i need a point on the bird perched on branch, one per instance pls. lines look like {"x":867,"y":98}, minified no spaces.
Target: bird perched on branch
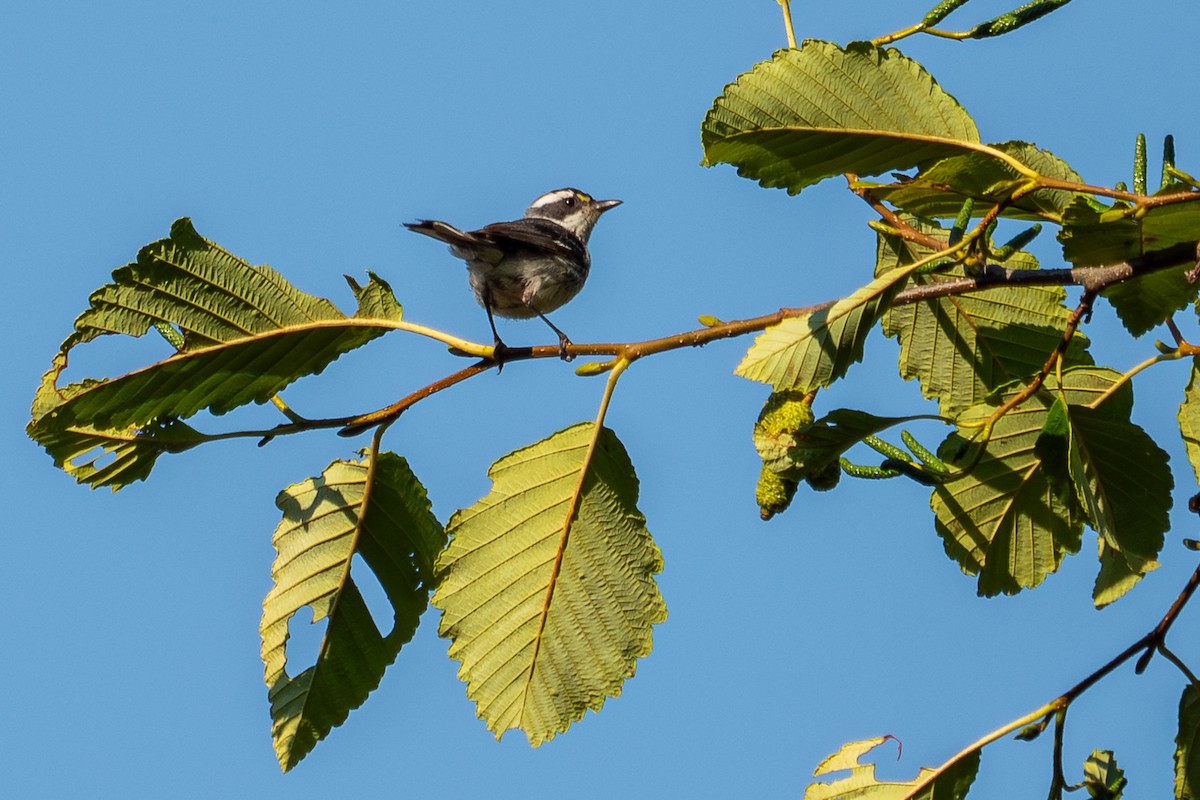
{"x":530,"y":266}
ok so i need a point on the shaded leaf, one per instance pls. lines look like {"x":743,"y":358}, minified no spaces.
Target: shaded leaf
{"x":1115,"y":234}
{"x":1006,"y":520}
{"x":1189,"y":418}
{"x":964,"y":347}
{"x":113,"y":457}
{"x":860,"y":784}
{"x":1187,"y":745}
{"x":547,"y":588}
{"x":1102,"y":778}
{"x":821,"y":110}
{"x":1147,"y":301}
{"x":384,"y":517}
{"x":247,"y":334}
{"x":815,"y":349}
{"x":940,"y":191}
{"x":1051,"y":464}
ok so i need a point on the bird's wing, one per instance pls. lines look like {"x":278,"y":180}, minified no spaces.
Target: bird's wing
{"x":452,"y":236}
{"x":536,"y":233}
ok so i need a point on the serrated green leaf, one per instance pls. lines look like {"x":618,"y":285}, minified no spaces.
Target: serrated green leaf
{"x":821,"y":110}
{"x":1124,"y":484}
{"x":248,"y":334}
{"x":383,"y":516}
{"x":1113,"y":234}
{"x":1187,"y":745}
{"x":1147,"y":301}
{"x":940,"y":191}
{"x":860,"y":784}
{"x":962,"y":348}
{"x":1102,"y":778}
{"x":1051,"y":464}
{"x":547,"y":588}
{"x":814,"y":350}
{"x":1005,"y":521}
{"x":113,"y":457}
{"x":1189,"y":418}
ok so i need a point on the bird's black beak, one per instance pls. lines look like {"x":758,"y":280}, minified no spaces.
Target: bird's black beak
{"x":605,"y":205}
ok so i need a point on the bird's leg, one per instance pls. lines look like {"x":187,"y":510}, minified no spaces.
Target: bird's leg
{"x":499,"y":349}
{"x":563,"y":341}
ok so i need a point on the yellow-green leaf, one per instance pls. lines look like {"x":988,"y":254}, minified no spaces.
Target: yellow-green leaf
{"x":950,"y":784}
{"x":822,"y":110}
{"x":815,"y":349}
{"x":382,"y":514}
{"x":547,"y":588}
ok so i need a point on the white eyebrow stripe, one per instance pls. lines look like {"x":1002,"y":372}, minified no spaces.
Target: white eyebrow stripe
{"x":552,"y":197}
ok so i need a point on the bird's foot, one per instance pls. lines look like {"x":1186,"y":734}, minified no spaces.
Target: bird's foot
{"x":499,"y":354}
{"x":563,"y":341}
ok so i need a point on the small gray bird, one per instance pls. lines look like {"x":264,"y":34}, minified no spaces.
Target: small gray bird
{"x":530,"y":266}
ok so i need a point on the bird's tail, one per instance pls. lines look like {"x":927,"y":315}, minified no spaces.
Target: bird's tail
{"x":444,"y":233}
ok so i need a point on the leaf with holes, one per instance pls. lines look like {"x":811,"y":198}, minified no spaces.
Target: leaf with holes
{"x":822,"y":111}
{"x":861,"y":784}
{"x":246,"y":334}
{"x":381,"y":514}
{"x":547,"y":588}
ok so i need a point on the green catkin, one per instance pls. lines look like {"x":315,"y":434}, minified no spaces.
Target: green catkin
{"x":1168,"y":159}
{"x":961,"y":221}
{"x":1018,"y":17}
{"x":927,"y":459}
{"x":941,"y":11}
{"x":886,"y":449}
{"x":1017,"y":242}
{"x":870,"y":473}
{"x":1139,"y":164}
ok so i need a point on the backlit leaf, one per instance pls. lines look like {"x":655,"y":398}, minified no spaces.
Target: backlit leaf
{"x":951,"y":784}
{"x":547,"y":588}
{"x":962,"y":348}
{"x":381,"y":515}
{"x":815,"y":349}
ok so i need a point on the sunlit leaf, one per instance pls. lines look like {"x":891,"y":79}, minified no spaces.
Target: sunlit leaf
{"x":1147,"y":301}
{"x":547,"y":588}
{"x":815,"y":349}
{"x":821,"y":110}
{"x":860,"y":784}
{"x":381,"y":515}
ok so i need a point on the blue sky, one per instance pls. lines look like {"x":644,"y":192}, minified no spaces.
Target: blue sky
{"x":302,"y":136}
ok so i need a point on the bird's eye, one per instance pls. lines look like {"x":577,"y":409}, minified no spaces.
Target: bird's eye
{"x":570,"y":201}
